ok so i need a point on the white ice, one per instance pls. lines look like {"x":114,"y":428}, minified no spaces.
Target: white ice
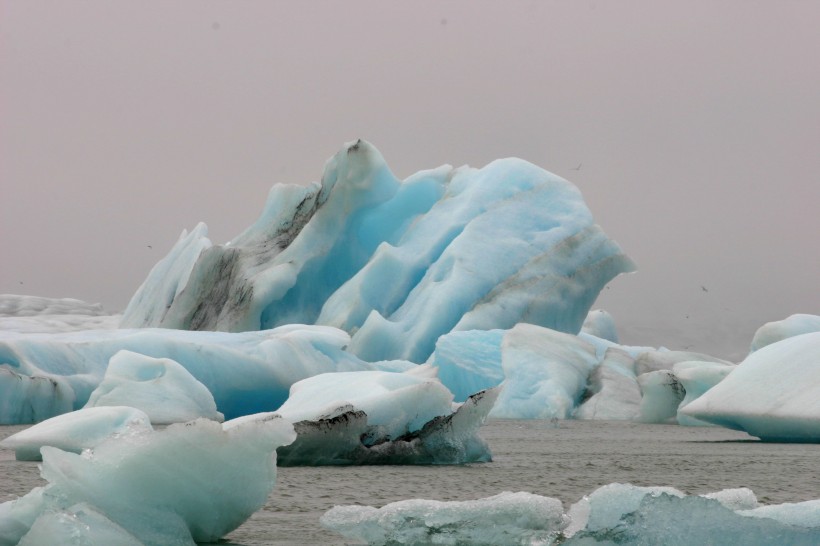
{"x":772,"y":332}
{"x":160,"y":387}
{"x":506,"y":518}
{"x":772,"y":394}
{"x":35,"y":314}
{"x":78,"y":430}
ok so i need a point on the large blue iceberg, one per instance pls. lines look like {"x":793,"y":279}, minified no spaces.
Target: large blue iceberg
{"x":396,"y":264}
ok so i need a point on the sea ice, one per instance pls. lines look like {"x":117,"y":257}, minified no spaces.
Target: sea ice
{"x":506,"y":518}
{"x":160,"y":387}
{"x":772,"y":332}
{"x":772,"y":394}
{"x":76,"y":431}
{"x":383,"y":418}
{"x":395,"y":263}
{"x":191,"y":482}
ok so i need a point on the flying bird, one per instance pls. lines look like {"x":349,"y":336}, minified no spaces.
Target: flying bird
{"x":578,"y":168}
{"x":703,"y":288}
{"x":149,"y":246}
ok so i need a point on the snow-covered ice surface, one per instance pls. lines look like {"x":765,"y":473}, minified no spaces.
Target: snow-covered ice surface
{"x":772,"y":394}
{"x":191,"y":482}
{"x":395,"y":263}
{"x":383,"y":418}
{"x":42,"y":375}
{"x":160,"y":387}
{"x":772,"y":332}
{"x":506,"y":518}
{"x":78,"y":430}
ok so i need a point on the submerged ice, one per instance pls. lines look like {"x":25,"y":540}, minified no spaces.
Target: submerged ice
{"x":394,"y":263}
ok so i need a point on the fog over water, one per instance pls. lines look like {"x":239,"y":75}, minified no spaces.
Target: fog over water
{"x":691,"y":129}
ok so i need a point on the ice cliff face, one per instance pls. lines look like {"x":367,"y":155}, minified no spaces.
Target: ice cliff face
{"x":394,"y":263}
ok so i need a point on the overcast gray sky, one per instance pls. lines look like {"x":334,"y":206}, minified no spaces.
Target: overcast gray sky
{"x":696,"y":125}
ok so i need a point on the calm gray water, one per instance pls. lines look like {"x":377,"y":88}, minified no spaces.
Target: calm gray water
{"x":565,"y":461}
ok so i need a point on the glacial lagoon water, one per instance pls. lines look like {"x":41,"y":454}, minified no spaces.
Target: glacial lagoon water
{"x":565,"y":459}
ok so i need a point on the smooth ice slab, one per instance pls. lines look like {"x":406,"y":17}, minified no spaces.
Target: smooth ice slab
{"x":395,"y":263}
{"x":76,"y":431}
{"x":506,"y":518}
{"x":773,"y":394}
{"x":160,"y":387}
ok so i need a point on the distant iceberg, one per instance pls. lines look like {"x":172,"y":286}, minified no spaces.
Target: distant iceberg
{"x":394,"y":263}
{"x":791,"y":326}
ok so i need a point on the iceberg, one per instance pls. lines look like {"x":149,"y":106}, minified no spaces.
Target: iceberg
{"x":545,"y":373}
{"x":506,"y":518}
{"x":599,"y":323}
{"x":612,"y":391}
{"x":160,"y":387}
{"x":76,"y":431}
{"x":35,"y":314}
{"x":246,"y":373}
{"x":772,"y":394}
{"x":469,"y":361}
{"x":396,"y":264}
{"x":772,"y":332}
{"x":661,"y":395}
{"x":191,"y":482}
{"x":375,"y":417}
{"x":83,"y":524}
{"x":696,"y":379}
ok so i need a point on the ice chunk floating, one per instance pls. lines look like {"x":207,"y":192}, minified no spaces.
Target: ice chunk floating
{"x":374,"y":417}
{"x":191,"y":482}
{"x":773,"y":394}
{"x":394,"y":263}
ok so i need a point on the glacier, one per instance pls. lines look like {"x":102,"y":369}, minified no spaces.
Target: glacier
{"x":190,"y":482}
{"x":396,"y":264}
{"x":772,"y":394}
